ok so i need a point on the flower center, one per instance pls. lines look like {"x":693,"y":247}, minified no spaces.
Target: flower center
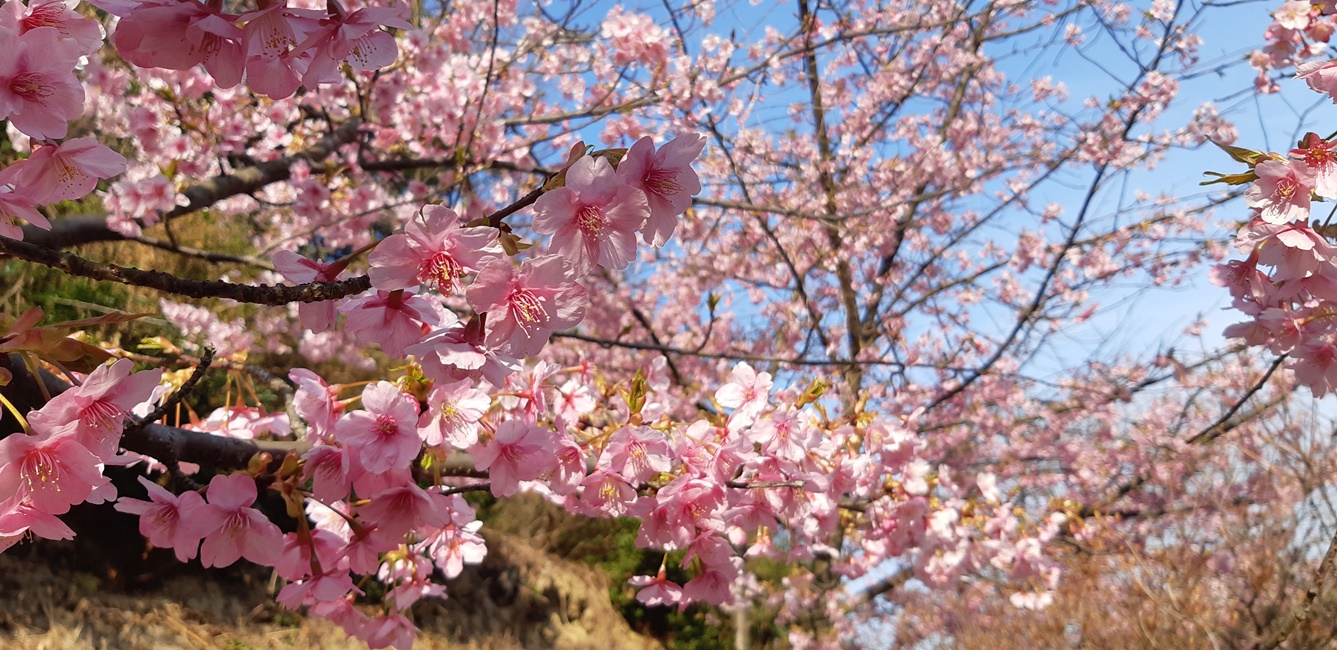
{"x":608,"y":491}
{"x":386,"y":427}
{"x":1319,"y":157}
{"x":591,"y":220}
{"x":442,"y":270}
{"x":639,"y":459}
{"x":39,"y":471}
{"x":99,"y":415}
{"x":31,"y":86}
{"x":1286,"y":188}
{"x":47,"y":15}
{"x":528,"y":310}
{"x":663,"y":182}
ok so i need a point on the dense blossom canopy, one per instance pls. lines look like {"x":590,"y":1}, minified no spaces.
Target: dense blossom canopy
{"x":816,"y":296}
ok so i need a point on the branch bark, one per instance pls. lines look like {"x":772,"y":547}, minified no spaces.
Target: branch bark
{"x":159,"y":441}
{"x":263,"y":294}
{"x":87,"y":229}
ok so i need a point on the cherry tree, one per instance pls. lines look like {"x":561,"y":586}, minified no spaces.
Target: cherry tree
{"x":808,"y":295}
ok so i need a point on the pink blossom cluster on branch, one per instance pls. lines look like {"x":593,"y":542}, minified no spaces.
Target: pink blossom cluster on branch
{"x":908,"y":208}
{"x":1287,"y":283}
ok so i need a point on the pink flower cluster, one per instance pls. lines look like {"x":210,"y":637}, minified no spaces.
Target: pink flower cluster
{"x":58,"y":463}
{"x":40,"y":95}
{"x":276,"y":48}
{"x":1300,"y":31}
{"x":594,"y":219}
{"x":1287,"y":282}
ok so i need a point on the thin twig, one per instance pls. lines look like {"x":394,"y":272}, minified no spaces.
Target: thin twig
{"x":177,"y":395}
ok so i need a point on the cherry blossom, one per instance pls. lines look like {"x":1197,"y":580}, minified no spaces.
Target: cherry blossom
{"x":434,"y":251}
{"x":38,"y":90}
{"x":235,"y":530}
{"x":51,"y":471}
{"x":667,"y":179}
{"x":452,"y":415}
{"x":57,"y":14}
{"x":68,"y":171}
{"x":517,"y":452}
{"x":178,"y":36}
{"x":746,"y":393}
{"x":1281,"y":191}
{"x":168,"y":520}
{"x":525,"y":306}
{"x":593,"y":219}
{"x":394,"y":319}
{"x":383,"y":433}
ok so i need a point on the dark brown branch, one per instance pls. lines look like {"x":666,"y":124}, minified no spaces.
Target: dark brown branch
{"x":263,"y":294}
{"x":169,"y":444}
{"x":525,"y":201}
{"x":74,"y":231}
{"x":177,"y":395}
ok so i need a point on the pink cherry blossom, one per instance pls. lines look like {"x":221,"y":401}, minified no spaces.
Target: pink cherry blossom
{"x":235,"y":529}
{"x":517,"y":452}
{"x":329,"y":586}
{"x":16,"y":210}
{"x":95,"y":409}
{"x":39,"y":93}
{"x":457,"y":352}
{"x":273,"y":68}
{"x":168,"y":520}
{"x":452,"y":415}
{"x":68,"y":171}
{"x":656,"y":591}
{"x":388,"y":630}
{"x":316,"y":403}
{"x":411,"y":577}
{"x":52,"y":471}
{"x":1318,"y":154}
{"x":394,"y":319}
{"x":399,"y":510}
{"x":667,"y":179}
{"x":1281,"y":191}
{"x":1320,"y":75}
{"x":593,"y":219}
{"x":178,"y":36}
{"x":433,"y":250}
{"x":605,"y":494}
{"x":331,"y":472}
{"x":525,"y":306}
{"x":636,"y":453}
{"x":59,"y":15}
{"x":570,"y":468}
{"x":711,"y":586}
{"x":746,"y":393}
{"x":454,"y":546}
{"x":18,"y":517}
{"x":356,"y":38}
{"x":384,"y":434}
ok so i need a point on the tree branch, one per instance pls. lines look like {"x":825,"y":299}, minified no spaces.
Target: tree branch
{"x":74,"y":231}
{"x":262,"y":294}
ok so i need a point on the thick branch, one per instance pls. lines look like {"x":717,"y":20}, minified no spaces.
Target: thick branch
{"x":74,"y":231}
{"x":263,"y":294}
{"x":155,"y":440}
